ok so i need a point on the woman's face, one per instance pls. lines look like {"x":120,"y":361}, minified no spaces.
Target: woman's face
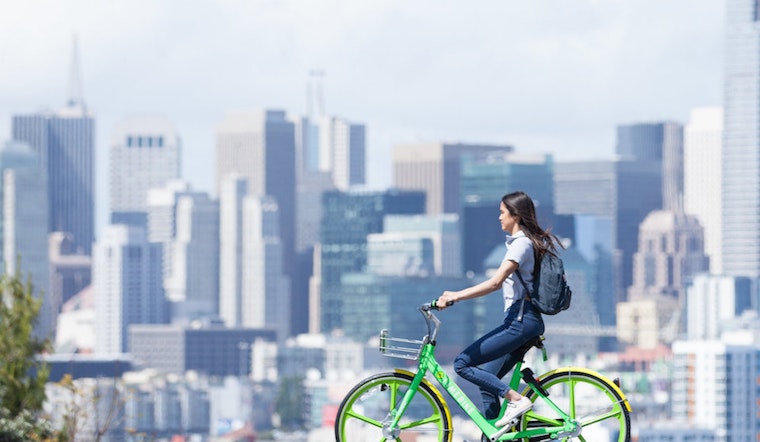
{"x":508,"y":222}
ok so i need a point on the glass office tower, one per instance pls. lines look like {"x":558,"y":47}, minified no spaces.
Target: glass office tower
{"x":741,"y":140}
{"x":64,"y":142}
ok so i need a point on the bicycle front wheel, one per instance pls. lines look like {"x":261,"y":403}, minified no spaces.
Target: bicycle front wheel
{"x":598,"y":405}
{"x":365,"y":413}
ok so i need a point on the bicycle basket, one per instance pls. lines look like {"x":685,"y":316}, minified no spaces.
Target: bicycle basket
{"x":400,"y":347}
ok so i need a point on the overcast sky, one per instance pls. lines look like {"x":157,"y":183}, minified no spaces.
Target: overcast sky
{"x":545,"y":76}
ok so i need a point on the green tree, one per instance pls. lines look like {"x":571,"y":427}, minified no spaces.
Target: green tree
{"x":290,"y":402}
{"x":22,"y":375}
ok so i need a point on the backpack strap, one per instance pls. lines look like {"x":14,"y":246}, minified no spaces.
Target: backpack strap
{"x":522,"y":281}
{"x":526,"y":295}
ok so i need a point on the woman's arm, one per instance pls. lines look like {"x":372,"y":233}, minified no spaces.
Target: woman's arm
{"x":483,"y":288}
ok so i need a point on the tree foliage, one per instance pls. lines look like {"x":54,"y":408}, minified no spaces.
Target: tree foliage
{"x":22,"y":374}
{"x":290,"y":402}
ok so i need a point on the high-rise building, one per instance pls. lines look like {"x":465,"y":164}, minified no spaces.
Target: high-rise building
{"x":436,"y":169}
{"x":261,"y":147}
{"x":342,"y":148}
{"x":741,"y":140}
{"x":608,"y":201}
{"x":715,"y":386}
{"x":712,"y":302}
{"x":254,"y":291}
{"x":443,"y":233}
{"x":348,"y":217}
{"x":703,"y":176}
{"x":23,"y":236}
{"x":232,"y":191}
{"x":145,"y":152}
{"x":128,"y":283}
{"x":162,"y":222}
{"x":670,"y":254}
{"x":266,"y":290}
{"x":649,"y":177}
{"x":192,"y":281}
{"x":64,"y":142}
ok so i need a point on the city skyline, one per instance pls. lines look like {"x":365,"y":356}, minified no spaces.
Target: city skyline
{"x":543,"y":79}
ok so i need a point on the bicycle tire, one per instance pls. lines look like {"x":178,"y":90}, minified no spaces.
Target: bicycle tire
{"x":599,"y":406}
{"x":364,"y":413}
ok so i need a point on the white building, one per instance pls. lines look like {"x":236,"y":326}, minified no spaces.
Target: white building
{"x":192,"y":282}
{"x":266,"y":290}
{"x":232,"y":190}
{"x":342,"y":148}
{"x":23,"y":235}
{"x":741,"y":143}
{"x":703,"y":176}
{"x":715,"y":386}
{"x":145,"y":152}
{"x":712,"y":302}
{"x":186,"y":224}
{"x":253,"y":290}
{"x":127,"y":280}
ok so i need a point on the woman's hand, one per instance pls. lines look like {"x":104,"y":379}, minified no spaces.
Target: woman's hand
{"x":445,"y":300}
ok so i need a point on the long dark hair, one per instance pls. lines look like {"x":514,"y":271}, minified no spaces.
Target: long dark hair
{"x":519,"y":204}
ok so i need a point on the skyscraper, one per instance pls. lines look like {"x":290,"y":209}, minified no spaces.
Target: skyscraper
{"x":702,"y":177}
{"x":192,"y":281}
{"x":342,"y":149}
{"x":348,"y":217}
{"x":254,"y":292}
{"x":649,"y":177}
{"x":715,"y":386}
{"x":261,"y":147}
{"x":436,"y":169}
{"x":232,"y":191}
{"x":64,"y":142}
{"x":23,"y":233}
{"x":266,"y":290}
{"x":741,"y":140}
{"x":145,"y":153}
{"x":127,"y":279}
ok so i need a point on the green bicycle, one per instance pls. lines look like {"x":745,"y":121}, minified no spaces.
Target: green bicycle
{"x":570,"y":403}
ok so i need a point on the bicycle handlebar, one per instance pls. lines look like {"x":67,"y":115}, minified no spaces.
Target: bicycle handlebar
{"x":432,"y":321}
{"x":432,"y":305}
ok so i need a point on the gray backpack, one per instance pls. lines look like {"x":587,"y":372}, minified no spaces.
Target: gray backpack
{"x":550,"y":293}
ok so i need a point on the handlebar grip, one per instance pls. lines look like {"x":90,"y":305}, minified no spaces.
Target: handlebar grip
{"x":432,"y":305}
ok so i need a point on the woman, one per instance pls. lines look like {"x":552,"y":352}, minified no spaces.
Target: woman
{"x":490,"y":358}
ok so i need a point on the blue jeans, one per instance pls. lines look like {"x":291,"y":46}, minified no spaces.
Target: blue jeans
{"x":491,"y":357}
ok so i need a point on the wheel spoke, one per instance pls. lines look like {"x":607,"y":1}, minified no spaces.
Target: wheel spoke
{"x":580,"y":393}
{"x":365,"y":413}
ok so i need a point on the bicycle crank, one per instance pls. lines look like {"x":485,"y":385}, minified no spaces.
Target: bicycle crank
{"x":574,"y":433}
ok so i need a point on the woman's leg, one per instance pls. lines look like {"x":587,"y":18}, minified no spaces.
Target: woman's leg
{"x":500,"y":341}
{"x":500,"y":367}
{"x":492,"y":356}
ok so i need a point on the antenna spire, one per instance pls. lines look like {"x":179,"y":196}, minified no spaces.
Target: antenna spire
{"x":76,"y":97}
{"x":315,"y":94}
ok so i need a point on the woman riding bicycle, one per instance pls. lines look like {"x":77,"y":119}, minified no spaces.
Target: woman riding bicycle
{"x":491,"y":357}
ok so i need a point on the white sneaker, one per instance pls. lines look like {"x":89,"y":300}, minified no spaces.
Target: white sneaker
{"x":514,"y":410}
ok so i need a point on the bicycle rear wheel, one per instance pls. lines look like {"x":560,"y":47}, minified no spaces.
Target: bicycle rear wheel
{"x":364,"y":414}
{"x":594,"y":401}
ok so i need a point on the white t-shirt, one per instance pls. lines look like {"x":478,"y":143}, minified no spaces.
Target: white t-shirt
{"x":519,"y":250}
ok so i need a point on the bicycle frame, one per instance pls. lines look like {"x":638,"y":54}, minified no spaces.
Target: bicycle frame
{"x":428,"y":364}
